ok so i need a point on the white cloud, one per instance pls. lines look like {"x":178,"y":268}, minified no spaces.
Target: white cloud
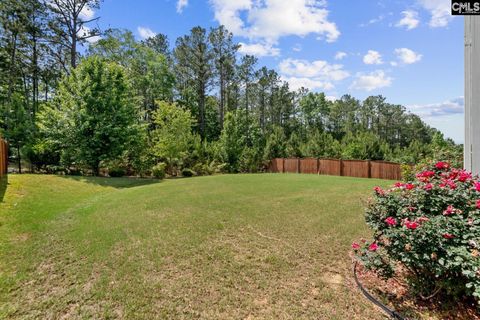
{"x":372,"y":57}
{"x":340,"y":55}
{"x":407,"y":56}
{"x":410,"y":20}
{"x":181,"y":4}
{"x":315,"y":69}
{"x":87,"y":13}
{"x":371,"y":81}
{"x":439,"y":11}
{"x":449,"y":107}
{"x":373,"y":21}
{"x":313,"y":75}
{"x":311,"y":84}
{"x":271,"y":19}
{"x":259,"y":50}
{"x":145,"y":32}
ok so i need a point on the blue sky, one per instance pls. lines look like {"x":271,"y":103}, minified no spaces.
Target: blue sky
{"x":410,"y":51}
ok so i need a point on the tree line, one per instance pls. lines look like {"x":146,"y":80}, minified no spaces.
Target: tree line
{"x":69,"y":103}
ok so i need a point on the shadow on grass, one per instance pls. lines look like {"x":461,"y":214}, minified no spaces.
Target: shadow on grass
{"x":3,"y":186}
{"x":118,"y":183}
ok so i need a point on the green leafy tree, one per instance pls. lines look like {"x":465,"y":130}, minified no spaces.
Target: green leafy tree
{"x":173,"y":136}
{"x":276,"y":144}
{"x":19,"y":127}
{"x":92,"y":116}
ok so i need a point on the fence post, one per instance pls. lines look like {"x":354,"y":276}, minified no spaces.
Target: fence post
{"x":341,"y":167}
{"x":369,"y":164}
{"x":283,"y":165}
{"x":318,"y":165}
{"x":298,"y":165}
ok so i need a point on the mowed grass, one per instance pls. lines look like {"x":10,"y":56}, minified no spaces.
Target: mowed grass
{"x":266,"y":246}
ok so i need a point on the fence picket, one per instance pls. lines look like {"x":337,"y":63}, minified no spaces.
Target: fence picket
{"x":338,"y":167}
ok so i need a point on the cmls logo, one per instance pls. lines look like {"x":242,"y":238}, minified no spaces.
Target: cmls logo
{"x":466,"y":7}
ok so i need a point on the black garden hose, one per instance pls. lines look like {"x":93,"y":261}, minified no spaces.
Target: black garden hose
{"x":391,"y":313}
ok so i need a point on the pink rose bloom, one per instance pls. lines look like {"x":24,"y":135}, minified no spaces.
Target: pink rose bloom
{"x":428,"y":186}
{"x":423,"y":219}
{"x":398,"y":185}
{"x":449,"y":211}
{"x":373,"y":247}
{"x":379,"y":191}
{"x":391,"y":221}
{"x":355,"y":246}
{"x":477,"y":186}
{"x":478,"y":204}
{"x":449,"y":183}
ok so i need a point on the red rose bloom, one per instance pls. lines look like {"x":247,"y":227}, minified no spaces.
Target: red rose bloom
{"x":411,"y":224}
{"x":355,"y":246}
{"x":373,"y":247}
{"x":478,"y":204}
{"x":398,"y":184}
{"x":425,"y":175}
{"x":442,"y":165}
{"x":448,"y":236}
{"x":409,"y":186}
{"x":464,"y":176}
{"x":391,"y":221}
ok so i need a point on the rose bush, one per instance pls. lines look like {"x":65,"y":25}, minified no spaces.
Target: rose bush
{"x":430,"y":229}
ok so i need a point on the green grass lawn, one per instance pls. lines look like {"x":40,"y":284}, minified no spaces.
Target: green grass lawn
{"x":266,"y":246}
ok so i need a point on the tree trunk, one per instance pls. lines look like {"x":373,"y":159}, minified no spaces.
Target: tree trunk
{"x":96,"y":169}
{"x":12,"y":67}
{"x":73,"y":48}
{"x":35,"y":77}
{"x":201,"y":110}
{"x":222,"y":97}
{"x":19,"y":159}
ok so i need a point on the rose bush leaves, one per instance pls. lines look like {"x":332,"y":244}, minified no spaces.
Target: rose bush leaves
{"x":429,"y":227}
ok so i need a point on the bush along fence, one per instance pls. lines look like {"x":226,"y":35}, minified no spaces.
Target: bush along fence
{"x":337,"y":167}
{"x":3,"y":157}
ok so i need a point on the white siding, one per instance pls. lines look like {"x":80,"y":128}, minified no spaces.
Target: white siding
{"x":472,"y":94}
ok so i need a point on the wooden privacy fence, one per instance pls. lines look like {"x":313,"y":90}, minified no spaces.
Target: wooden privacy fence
{"x":337,"y":167}
{"x":3,"y":158}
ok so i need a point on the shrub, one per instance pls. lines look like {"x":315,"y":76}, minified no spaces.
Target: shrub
{"x":408,"y":172}
{"x":54,"y":169}
{"x":186,"y":172}
{"x":430,"y":228}
{"x":158,"y":170}
{"x":116,"y":172}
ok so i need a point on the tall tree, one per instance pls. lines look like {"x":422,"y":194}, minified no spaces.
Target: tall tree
{"x":159,"y":43}
{"x":193,"y":57}
{"x":70,"y":25}
{"x":224,"y":51}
